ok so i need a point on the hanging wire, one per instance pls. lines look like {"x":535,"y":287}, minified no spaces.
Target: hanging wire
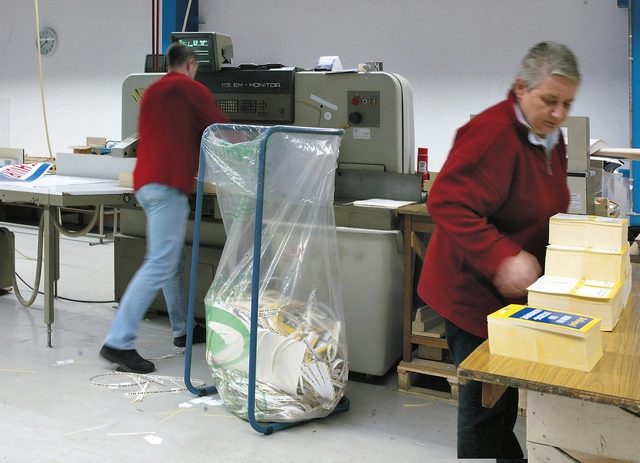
{"x":36,"y":285}
{"x":58,"y":225}
{"x":154,"y":61}
{"x":155,"y":34}
{"x":44,"y":109}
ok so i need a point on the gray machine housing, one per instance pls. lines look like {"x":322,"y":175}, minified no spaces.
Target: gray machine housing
{"x":374,"y":108}
{"x":581,"y":169}
{"x":376,"y":159}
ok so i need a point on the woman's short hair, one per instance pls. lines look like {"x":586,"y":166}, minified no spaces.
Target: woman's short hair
{"x":548,"y":58}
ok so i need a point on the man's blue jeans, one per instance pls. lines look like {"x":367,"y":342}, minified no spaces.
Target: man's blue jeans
{"x":167,"y":210}
{"x":482,"y":432}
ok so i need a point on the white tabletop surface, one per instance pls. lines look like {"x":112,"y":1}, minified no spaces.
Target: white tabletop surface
{"x":66,"y":185}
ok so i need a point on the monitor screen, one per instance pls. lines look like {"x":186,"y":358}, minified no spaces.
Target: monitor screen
{"x":211,"y":48}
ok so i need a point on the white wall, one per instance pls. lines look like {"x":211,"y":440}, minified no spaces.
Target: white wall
{"x":459,"y":55}
{"x":100,"y":43}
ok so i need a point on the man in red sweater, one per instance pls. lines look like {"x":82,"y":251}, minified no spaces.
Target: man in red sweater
{"x":174,"y":112}
{"x":505,"y":176}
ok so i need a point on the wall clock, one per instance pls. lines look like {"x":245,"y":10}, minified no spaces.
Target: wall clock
{"x":48,"y":40}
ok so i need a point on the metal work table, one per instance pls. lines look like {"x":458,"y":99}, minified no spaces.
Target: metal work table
{"x":592,"y":412}
{"x":53,"y":192}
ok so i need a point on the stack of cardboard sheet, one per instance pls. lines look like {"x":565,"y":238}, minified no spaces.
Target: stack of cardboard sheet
{"x":545,"y":336}
{"x":588,"y":268}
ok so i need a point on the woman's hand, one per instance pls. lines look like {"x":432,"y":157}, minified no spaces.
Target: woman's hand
{"x":515,"y":274}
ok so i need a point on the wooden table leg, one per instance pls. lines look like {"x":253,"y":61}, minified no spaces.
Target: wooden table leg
{"x":491,"y":393}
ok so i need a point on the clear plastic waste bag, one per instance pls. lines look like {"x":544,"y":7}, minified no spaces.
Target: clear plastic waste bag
{"x":301,"y":360}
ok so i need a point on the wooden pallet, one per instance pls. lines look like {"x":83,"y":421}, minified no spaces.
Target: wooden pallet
{"x":409,"y":373}
{"x":432,"y":344}
{"x":428,"y":362}
{"x":419,"y":370}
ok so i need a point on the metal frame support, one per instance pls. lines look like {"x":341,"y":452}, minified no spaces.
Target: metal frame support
{"x":268,"y":428}
{"x":634,"y":103}
{"x":173,"y":13}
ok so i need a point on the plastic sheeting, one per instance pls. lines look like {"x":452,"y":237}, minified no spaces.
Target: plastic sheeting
{"x":301,"y":360}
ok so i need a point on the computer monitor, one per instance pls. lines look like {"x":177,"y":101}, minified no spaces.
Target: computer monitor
{"x":162,"y":64}
{"x":212,"y":49}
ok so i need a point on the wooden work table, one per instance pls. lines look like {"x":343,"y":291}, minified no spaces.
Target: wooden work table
{"x":413,"y":219}
{"x":416,"y":223}
{"x":593,"y":412}
{"x":571,"y":415}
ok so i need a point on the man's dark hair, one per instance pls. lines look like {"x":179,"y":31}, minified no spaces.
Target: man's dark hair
{"x":178,"y":54}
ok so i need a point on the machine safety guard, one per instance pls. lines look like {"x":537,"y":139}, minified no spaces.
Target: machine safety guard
{"x":343,"y":404}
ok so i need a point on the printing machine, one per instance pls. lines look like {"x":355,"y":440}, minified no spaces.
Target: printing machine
{"x":587,"y":175}
{"x":581,"y":174}
{"x":376,"y":160}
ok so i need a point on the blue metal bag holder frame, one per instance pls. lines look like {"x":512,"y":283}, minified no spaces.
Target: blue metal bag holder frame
{"x":343,"y":404}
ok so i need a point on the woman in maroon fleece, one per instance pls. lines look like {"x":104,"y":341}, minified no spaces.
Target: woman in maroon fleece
{"x":504,"y":178}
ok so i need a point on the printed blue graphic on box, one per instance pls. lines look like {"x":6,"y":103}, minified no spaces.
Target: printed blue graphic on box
{"x":576,"y":322}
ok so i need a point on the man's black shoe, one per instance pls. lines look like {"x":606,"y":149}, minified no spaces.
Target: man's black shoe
{"x":129,"y":360}
{"x":199,"y":336}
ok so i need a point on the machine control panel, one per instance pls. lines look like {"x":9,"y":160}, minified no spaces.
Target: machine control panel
{"x":363,"y":108}
{"x":263,"y":96}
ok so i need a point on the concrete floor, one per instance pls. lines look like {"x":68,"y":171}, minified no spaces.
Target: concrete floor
{"x":51,"y":410}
